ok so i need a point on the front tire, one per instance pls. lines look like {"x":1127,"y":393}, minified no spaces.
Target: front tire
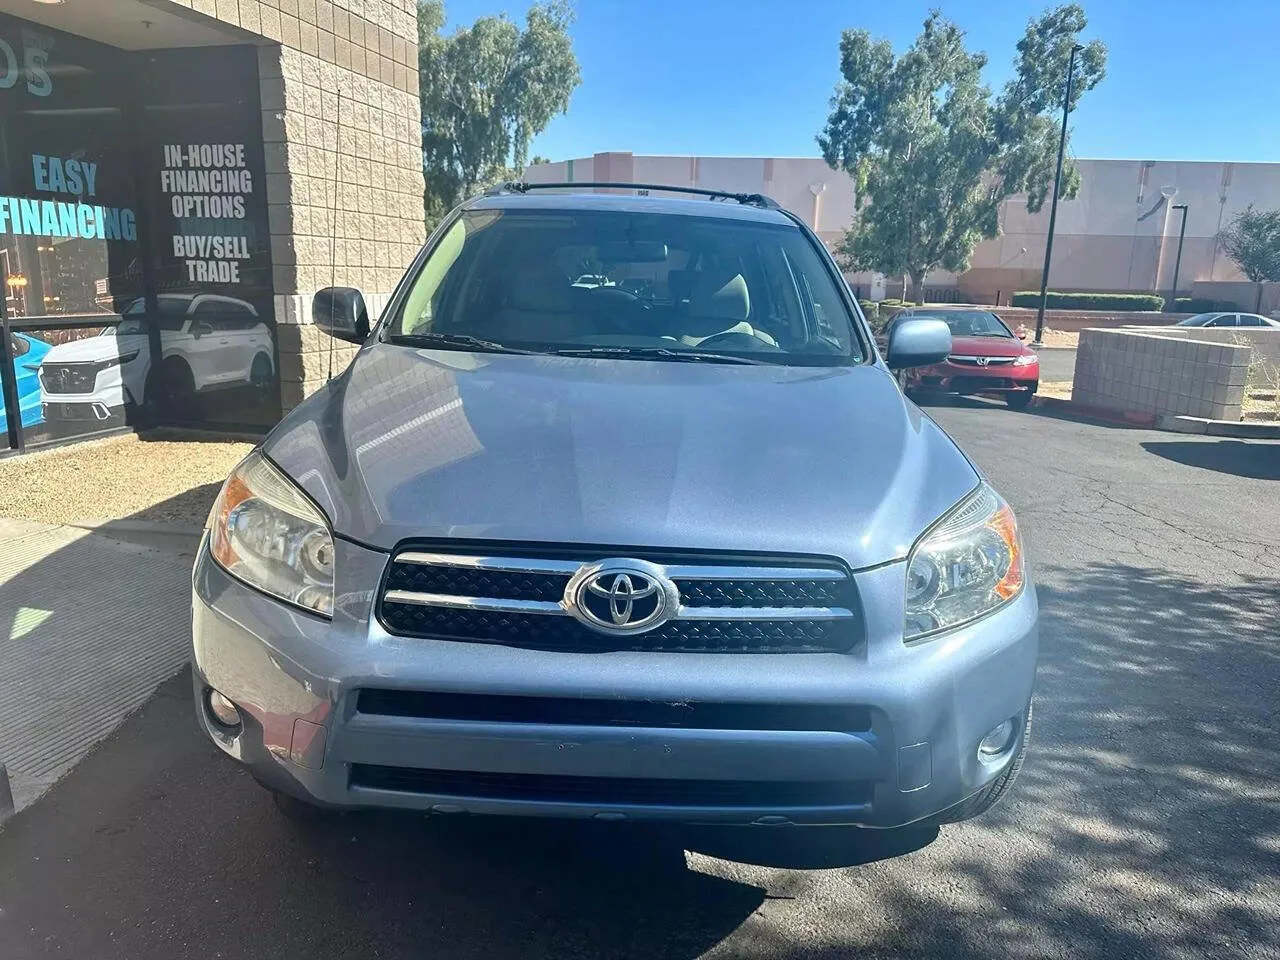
{"x":1020,"y":400}
{"x":299,"y":811}
{"x":261,"y":374}
{"x":995,"y":791}
{"x":171,"y":391}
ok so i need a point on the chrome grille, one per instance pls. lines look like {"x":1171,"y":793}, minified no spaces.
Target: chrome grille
{"x":741,"y":607}
{"x":981,"y":361}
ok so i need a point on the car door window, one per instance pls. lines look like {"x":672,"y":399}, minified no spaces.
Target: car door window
{"x":1246,"y":320}
{"x":18,"y":347}
{"x":1223,"y":320}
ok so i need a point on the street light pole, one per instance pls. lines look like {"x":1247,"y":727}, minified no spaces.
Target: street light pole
{"x":1177,"y":263}
{"x":1053,"y":209}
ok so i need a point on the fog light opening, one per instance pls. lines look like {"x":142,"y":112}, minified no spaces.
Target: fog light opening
{"x":998,"y":741}
{"x":223,"y":712}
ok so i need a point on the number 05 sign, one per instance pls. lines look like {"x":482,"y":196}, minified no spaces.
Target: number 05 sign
{"x":27,"y":62}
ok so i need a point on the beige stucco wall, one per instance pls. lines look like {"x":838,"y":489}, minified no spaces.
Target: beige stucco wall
{"x":822,"y":197}
{"x":1120,"y":233}
{"x":342,"y":127}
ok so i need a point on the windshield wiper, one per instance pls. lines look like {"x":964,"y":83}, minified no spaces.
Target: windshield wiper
{"x":459,"y":341}
{"x":655,"y":353}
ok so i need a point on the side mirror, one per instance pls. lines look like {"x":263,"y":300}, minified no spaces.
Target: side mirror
{"x":917,"y":343}
{"x":341,"y":313}
{"x":200,"y":328}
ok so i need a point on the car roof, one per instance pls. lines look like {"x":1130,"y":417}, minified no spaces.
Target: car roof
{"x":625,"y":203}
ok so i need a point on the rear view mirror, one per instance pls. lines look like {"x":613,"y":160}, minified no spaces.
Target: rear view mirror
{"x":633,"y":251}
{"x":341,"y":313}
{"x":917,"y":343}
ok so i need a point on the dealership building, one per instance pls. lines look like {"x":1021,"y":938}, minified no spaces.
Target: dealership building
{"x":177,"y":178}
{"x":1119,"y":234}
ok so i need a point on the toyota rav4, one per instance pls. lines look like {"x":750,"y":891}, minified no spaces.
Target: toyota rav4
{"x":669,"y":545}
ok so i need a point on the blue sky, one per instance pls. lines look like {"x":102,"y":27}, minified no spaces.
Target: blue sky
{"x":1194,"y":80}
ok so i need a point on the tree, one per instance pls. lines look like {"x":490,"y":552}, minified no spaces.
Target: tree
{"x":933,"y":154}
{"x":486,"y":91}
{"x":1252,"y":241}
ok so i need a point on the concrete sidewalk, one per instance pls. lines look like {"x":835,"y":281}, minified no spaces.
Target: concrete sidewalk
{"x":91,"y":622}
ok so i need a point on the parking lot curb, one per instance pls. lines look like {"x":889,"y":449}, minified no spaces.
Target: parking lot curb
{"x":1221,"y":428}
{"x":155,"y":527}
{"x":6,"y":795}
{"x":1247,"y":429}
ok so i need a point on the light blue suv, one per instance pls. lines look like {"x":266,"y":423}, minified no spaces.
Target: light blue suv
{"x":28,"y":353}
{"x":668,"y":546}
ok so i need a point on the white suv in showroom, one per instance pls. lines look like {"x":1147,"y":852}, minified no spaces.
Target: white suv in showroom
{"x":207,"y":342}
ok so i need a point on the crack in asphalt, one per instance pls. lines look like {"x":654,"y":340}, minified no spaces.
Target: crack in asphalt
{"x":1264,"y":547}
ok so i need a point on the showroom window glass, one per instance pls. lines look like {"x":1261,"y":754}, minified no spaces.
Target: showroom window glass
{"x":134,"y":243}
{"x":68,"y":209}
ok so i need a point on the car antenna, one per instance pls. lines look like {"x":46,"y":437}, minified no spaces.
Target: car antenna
{"x":333,"y":215}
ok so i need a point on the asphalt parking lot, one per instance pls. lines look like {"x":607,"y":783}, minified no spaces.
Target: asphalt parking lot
{"x":1146,"y":825}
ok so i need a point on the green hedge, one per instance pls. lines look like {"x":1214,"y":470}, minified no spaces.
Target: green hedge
{"x":1090,"y":301}
{"x":1204,"y":305}
{"x":870,"y":309}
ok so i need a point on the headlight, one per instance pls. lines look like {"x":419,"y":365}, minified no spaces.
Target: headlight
{"x":264,"y":531}
{"x":1025,"y":360}
{"x":965,"y":566}
{"x":119,"y":361}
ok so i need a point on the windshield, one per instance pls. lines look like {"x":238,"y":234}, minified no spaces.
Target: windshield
{"x":654,"y":286}
{"x":173,"y":314}
{"x":968,"y":323}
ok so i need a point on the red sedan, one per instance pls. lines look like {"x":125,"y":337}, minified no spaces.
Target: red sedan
{"x":986,"y":357}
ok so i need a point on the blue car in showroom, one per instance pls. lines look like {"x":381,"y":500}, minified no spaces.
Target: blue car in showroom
{"x":28,"y":353}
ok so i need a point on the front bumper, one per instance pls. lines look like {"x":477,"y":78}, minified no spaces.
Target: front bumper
{"x":297,"y":678}
{"x":949,"y":377}
{"x":114,"y":390}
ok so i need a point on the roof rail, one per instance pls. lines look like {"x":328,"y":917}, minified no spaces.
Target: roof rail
{"x":750,"y":199}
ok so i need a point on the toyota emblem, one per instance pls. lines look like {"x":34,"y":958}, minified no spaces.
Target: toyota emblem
{"x":621,"y":596}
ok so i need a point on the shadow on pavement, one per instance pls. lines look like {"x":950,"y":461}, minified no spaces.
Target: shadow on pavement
{"x":1146,"y":821}
{"x":158,"y":846}
{"x":163,"y":842}
{"x":1145,"y":825}
{"x":931,"y":401}
{"x":1260,"y":461}
{"x":194,"y":502}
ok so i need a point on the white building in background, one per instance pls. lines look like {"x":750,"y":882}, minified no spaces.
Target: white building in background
{"x":1120,"y":234}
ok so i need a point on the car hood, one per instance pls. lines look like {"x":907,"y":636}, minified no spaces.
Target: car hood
{"x":987,"y":347}
{"x":96,"y":348}
{"x":624,"y":453}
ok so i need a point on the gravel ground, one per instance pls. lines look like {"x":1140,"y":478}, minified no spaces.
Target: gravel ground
{"x":1061,"y":338}
{"x":1060,"y":389}
{"x":170,"y":481}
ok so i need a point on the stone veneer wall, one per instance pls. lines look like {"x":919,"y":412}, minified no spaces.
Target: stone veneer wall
{"x":360,"y":153}
{"x":1149,"y":372}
